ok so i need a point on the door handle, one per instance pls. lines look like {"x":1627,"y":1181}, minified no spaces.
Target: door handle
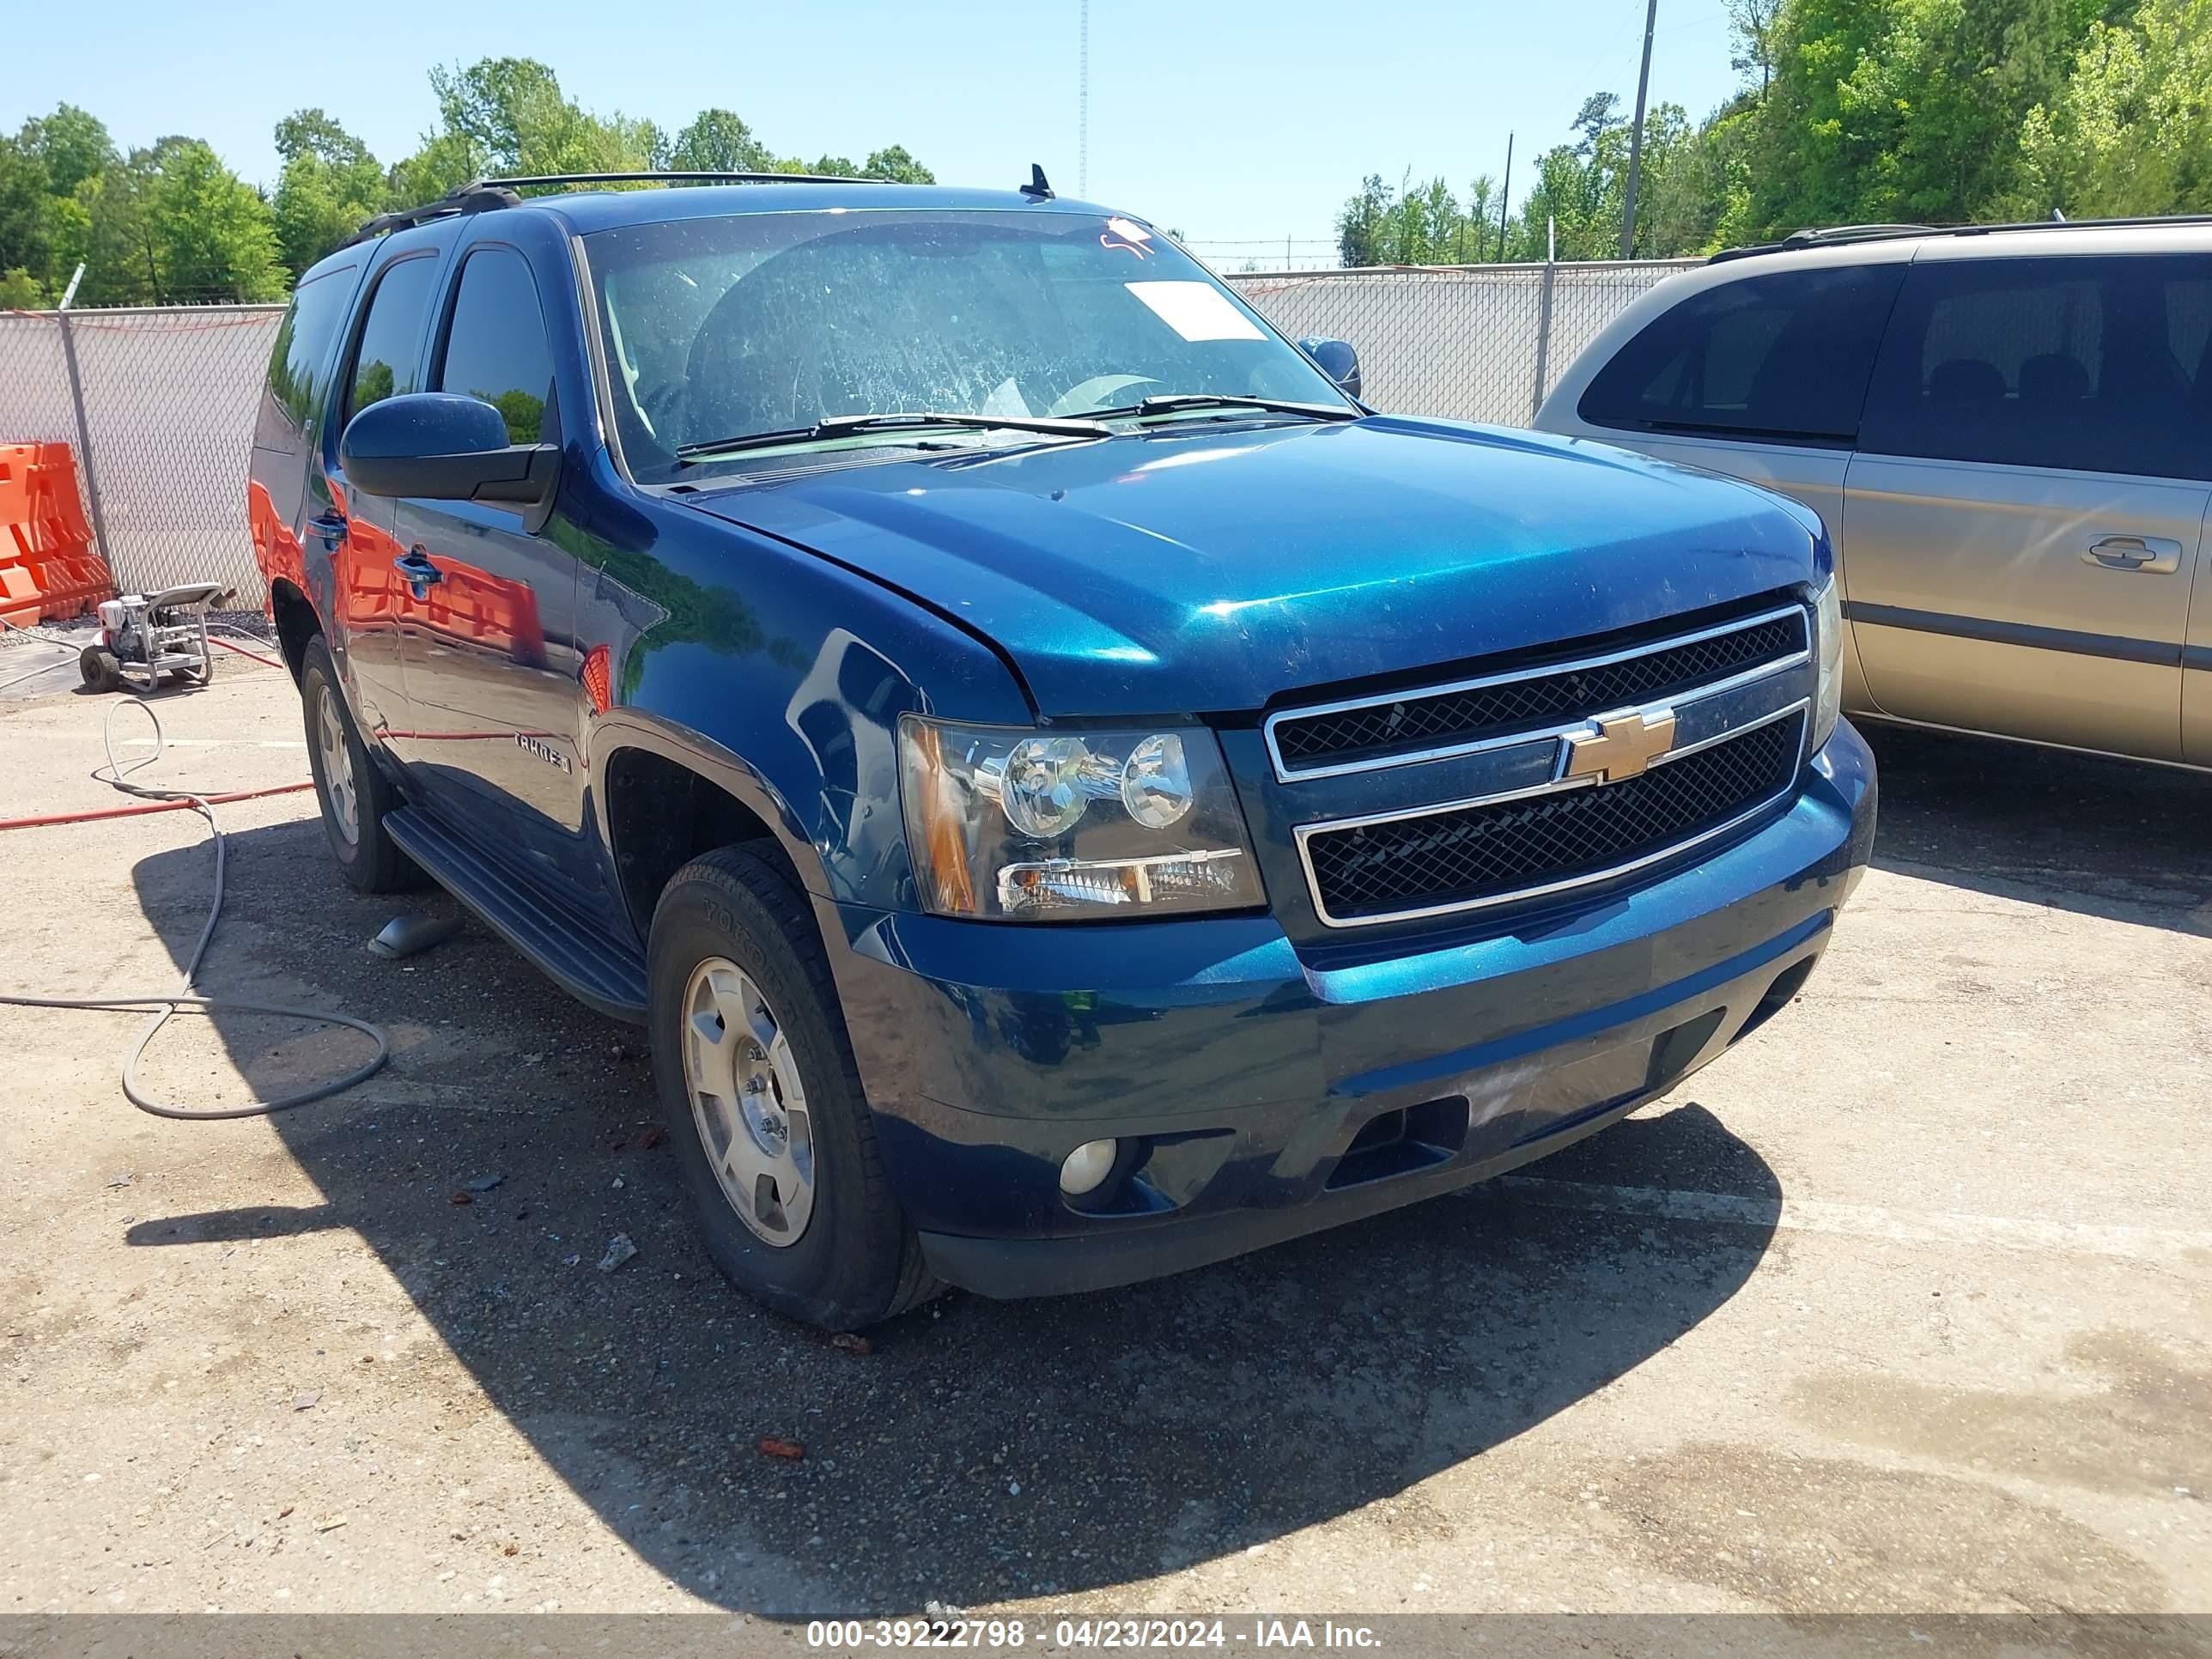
{"x":331,"y":526}
{"x":2154,"y":554}
{"x":415,"y":566}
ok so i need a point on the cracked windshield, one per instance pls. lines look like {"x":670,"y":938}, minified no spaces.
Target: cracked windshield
{"x":726,"y":329}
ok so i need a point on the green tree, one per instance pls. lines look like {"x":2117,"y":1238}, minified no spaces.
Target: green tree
{"x":509,"y":116}
{"x":445,"y":161}
{"x":1363,"y":223}
{"x":1752,"y":37}
{"x":2131,"y":131}
{"x":330,"y":185}
{"x":1930,"y":112}
{"x":170,"y":222}
{"x":115,"y":236}
{"x":719,"y":141}
{"x":42,"y":169}
{"x":26,"y":227}
{"x":895,"y":164}
{"x":212,"y":233}
{"x":75,"y":145}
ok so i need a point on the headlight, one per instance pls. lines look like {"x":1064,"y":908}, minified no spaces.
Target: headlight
{"x":1016,"y":826}
{"x":1829,"y":652}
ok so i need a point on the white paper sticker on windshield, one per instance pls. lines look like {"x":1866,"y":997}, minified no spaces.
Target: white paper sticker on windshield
{"x":1197,"y":311}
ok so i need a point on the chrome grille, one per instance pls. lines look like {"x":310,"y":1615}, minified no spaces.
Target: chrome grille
{"x":1443,"y":720}
{"x":1461,"y":857}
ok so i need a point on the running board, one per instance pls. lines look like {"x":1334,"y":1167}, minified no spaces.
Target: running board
{"x":594,"y":970}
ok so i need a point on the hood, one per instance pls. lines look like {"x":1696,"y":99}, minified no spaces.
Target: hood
{"x":1192,"y":570}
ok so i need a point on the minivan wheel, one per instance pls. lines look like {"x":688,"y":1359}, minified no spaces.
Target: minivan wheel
{"x":355,"y":796}
{"x":763,"y":1102}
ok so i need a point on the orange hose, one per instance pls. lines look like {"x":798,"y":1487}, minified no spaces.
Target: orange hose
{"x":153,"y":806}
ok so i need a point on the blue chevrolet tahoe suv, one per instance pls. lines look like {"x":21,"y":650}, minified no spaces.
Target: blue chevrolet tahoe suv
{"x":1073,"y":793}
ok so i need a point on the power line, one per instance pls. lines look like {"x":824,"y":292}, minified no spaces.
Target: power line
{"x":1083,"y":104}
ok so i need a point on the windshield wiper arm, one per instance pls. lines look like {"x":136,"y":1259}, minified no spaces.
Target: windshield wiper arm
{"x":1170,"y":402}
{"x":845,"y":426}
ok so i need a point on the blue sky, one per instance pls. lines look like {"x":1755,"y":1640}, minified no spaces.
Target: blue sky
{"x":1240,"y":125}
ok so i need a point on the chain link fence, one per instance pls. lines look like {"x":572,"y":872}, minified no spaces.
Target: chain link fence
{"x":159,"y":406}
{"x":1472,"y":343}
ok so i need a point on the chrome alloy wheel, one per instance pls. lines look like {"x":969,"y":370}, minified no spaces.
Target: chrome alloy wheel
{"x":337,"y":756}
{"x":747,"y":1101}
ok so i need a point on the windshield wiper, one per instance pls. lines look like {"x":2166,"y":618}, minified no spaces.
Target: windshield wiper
{"x":1172,"y":401}
{"x":847,"y":426}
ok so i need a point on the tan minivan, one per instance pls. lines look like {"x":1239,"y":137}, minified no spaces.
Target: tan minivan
{"x":2008,"y":431}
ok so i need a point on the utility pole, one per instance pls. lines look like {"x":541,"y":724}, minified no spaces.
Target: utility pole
{"x":1504,"y":197}
{"x":1082,"y":105}
{"x":1635,"y":135}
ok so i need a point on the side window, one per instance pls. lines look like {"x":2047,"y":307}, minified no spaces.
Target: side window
{"x":2094,"y":363}
{"x":392,"y":338}
{"x":495,"y":347}
{"x":302,"y":352}
{"x":1784,"y":357}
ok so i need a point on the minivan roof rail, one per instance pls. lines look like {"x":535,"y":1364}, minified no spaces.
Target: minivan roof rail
{"x":1840,"y":235}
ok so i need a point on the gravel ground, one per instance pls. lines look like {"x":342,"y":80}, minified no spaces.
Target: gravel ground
{"x":1906,"y":1304}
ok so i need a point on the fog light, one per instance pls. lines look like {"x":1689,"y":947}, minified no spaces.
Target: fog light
{"x":1086,"y":1166}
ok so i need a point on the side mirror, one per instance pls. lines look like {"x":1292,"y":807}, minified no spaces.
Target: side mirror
{"x":445,"y":446}
{"x":1336,"y":359}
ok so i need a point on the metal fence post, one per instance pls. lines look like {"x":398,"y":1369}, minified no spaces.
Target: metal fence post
{"x":1544,"y":324}
{"x":83,"y":428}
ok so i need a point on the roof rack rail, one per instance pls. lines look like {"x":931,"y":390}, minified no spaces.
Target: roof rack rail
{"x":465,"y":198}
{"x":1844,"y":235}
{"x":529,"y":180}
{"x":1825,"y":236}
{"x":480,"y":194}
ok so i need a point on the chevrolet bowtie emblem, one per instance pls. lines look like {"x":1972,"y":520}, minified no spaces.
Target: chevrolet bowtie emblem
{"x":1621,"y":746}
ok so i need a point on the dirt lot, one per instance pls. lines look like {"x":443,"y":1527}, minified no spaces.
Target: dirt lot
{"x":1906,"y":1304}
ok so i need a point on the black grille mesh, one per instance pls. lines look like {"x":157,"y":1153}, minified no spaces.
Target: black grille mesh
{"x":1416,"y":722}
{"x":1478,"y":852}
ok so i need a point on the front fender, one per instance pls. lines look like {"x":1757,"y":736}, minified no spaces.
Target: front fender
{"x":781,"y":677}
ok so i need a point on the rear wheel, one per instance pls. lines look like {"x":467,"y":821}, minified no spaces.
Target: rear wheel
{"x":355,"y":796}
{"x":763,"y":1102}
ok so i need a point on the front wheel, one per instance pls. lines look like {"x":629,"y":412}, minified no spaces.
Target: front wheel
{"x":355,"y":796}
{"x":764,"y":1104}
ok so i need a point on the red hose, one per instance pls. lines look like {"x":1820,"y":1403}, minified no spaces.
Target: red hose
{"x":152,"y":806}
{"x":266,"y":662}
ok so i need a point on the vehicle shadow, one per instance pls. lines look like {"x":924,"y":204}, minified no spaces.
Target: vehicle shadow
{"x":976,"y":1450}
{"x":2107,"y":838}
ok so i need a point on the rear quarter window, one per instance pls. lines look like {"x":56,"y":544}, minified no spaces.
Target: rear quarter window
{"x":1784,"y":358}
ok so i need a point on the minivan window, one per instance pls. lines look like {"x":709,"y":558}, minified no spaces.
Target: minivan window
{"x":392,"y":338}
{"x":303,"y":341}
{"x":496,"y":346}
{"x":2096,"y":363}
{"x":1783,"y":358}
{"x":754,"y":323}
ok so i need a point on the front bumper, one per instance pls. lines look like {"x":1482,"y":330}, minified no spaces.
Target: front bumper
{"x":1259,"y":1096}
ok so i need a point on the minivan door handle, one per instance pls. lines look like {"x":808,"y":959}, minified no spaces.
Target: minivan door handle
{"x":2152,"y":553}
{"x":331,"y":526}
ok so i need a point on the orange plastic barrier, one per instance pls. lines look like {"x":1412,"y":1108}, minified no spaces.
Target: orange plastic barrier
{"x":48,"y":565}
